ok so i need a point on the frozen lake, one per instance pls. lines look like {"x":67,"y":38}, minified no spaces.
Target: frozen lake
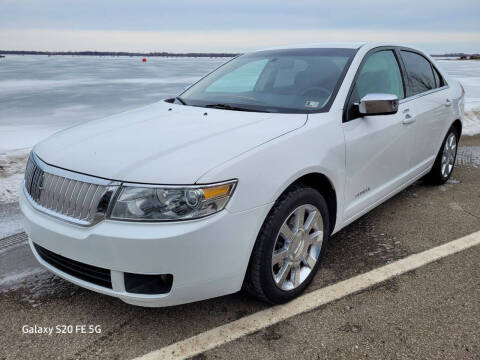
{"x":40,"y":95}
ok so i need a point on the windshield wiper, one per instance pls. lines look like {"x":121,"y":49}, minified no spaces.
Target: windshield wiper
{"x":230,"y":107}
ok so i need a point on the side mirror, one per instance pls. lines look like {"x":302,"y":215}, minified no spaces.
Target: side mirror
{"x":378,"y":104}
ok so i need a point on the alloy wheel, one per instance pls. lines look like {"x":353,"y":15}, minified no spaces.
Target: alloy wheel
{"x":449,"y":154}
{"x":297,"y":247}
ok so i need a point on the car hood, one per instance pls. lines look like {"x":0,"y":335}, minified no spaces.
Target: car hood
{"x":162,"y":143}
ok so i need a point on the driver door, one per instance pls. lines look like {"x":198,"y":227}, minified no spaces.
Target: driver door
{"x":378,"y":148}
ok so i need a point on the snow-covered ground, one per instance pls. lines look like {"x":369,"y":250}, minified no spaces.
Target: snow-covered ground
{"x":41,"y":95}
{"x":468,"y":73}
{"x":12,"y":166}
{"x":471,"y":120}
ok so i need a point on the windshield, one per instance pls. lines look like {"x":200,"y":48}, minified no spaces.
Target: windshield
{"x":293,"y":80}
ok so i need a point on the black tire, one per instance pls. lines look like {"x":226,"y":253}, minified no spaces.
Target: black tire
{"x":436,"y":176}
{"x":259,"y":279}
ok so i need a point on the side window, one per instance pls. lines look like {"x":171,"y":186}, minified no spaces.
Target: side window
{"x":420,"y":73}
{"x":380,"y":73}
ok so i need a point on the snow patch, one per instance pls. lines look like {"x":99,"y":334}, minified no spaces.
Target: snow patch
{"x":16,"y":279}
{"x":12,"y":167}
{"x":36,"y":286}
{"x":471,"y":119}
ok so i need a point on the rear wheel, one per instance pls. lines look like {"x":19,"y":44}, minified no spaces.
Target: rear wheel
{"x":289,"y":247}
{"x":445,"y":161}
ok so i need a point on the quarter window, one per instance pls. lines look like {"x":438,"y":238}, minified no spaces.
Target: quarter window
{"x":439,"y":82}
{"x":419,"y":72}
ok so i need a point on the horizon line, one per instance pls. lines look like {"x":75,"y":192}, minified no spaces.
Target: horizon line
{"x":157,"y":53}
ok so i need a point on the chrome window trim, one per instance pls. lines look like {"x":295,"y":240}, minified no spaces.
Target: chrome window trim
{"x":425,"y":93}
{"x":397,"y":50}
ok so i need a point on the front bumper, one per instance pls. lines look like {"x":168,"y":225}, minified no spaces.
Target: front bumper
{"x":207,"y":257}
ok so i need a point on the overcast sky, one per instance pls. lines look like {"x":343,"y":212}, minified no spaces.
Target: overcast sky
{"x":235,"y":26}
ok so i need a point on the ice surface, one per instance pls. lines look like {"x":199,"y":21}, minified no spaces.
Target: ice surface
{"x":41,"y":95}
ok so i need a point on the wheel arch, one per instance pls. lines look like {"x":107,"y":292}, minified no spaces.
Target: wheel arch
{"x":457,"y":124}
{"x":315,"y":180}
{"x":324,"y":186}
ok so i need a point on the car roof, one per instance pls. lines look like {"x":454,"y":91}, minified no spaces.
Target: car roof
{"x":338,"y":45}
{"x":319,"y":45}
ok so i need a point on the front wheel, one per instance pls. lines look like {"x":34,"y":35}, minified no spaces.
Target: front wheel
{"x":445,"y":161}
{"x":289,"y":247}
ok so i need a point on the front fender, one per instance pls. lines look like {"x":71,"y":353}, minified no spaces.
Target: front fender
{"x":265,"y":172}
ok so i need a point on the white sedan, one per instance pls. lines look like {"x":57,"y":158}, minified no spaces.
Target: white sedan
{"x":239,"y":181}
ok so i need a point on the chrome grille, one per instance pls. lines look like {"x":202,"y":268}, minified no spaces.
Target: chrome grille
{"x":70,"y":196}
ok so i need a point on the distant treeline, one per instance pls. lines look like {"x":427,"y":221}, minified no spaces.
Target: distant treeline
{"x":111,"y":53}
{"x":168,"y":54}
{"x":458,"y":55}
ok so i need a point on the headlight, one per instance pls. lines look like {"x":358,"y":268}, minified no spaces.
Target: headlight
{"x":169,"y":203}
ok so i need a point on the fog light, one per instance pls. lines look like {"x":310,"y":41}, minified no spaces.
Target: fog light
{"x":148,"y":284}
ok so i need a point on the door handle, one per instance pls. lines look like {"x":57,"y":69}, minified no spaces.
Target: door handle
{"x":409,"y":119}
{"x":448,"y":102}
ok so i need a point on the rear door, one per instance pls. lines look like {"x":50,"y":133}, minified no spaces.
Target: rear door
{"x":378,"y":147}
{"x":429,"y":105}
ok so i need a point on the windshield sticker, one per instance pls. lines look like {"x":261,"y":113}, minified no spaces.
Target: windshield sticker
{"x":312,"y":104}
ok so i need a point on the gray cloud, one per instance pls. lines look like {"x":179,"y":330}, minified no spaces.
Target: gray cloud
{"x":270,"y":15}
